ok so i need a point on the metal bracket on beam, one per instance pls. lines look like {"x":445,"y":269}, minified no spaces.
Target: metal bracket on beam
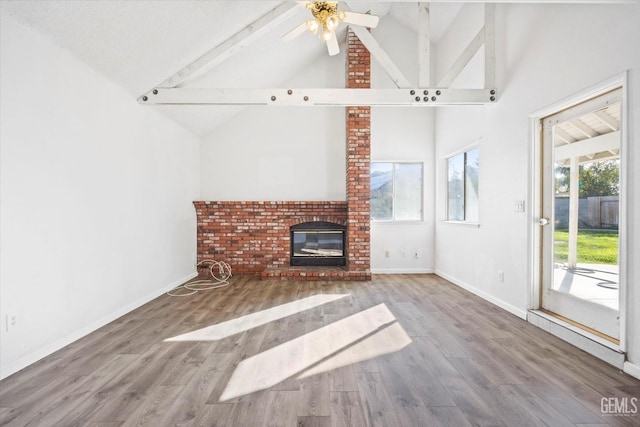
{"x":422,"y":97}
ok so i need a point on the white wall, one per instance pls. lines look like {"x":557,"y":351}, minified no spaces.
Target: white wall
{"x":276,"y":153}
{"x":404,"y":134}
{"x":95,"y":192}
{"x":545,"y":53}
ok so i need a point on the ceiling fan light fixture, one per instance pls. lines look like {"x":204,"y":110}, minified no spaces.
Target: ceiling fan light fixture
{"x":312,"y":26}
{"x":326,"y":20}
{"x":332,"y":22}
{"x":326,"y":15}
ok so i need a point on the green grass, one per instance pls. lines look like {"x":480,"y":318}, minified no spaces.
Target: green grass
{"x":594,"y":247}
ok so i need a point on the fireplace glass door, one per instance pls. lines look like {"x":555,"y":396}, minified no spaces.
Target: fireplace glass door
{"x":321,"y":246}
{"x":317,"y":243}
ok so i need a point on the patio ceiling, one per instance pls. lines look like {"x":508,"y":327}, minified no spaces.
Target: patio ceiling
{"x":590,"y":137}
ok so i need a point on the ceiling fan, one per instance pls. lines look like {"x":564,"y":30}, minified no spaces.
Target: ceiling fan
{"x":325,"y":22}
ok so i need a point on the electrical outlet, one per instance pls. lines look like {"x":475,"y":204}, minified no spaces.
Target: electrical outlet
{"x":500,"y":276}
{"x":386,"y":254}
{"x":11,"y":321}
{"x":417,"y":255}
{"x":519,"y":206}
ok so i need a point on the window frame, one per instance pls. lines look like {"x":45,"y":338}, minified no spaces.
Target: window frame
{"x":465,"y":221}
{"x":393,"y":192}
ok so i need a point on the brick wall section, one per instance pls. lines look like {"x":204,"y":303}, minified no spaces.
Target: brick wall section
{"x":358,"y":63}
{"x":358,"y":160}
{"x":251,"y":236}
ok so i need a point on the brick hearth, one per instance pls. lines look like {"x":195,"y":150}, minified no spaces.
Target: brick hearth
{"x":253,"y":237}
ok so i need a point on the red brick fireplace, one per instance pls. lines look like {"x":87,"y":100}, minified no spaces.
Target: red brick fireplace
{"x":253,"y":237}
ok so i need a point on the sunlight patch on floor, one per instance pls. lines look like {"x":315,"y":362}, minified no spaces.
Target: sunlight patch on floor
{"x":388,"y":340}
{"x":362,"y":336}
{"x":250,"y":321}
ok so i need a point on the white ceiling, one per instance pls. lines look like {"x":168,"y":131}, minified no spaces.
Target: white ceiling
{"x":138,"y":44}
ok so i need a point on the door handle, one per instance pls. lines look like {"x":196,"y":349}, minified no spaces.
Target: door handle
{"x":543,"y":221}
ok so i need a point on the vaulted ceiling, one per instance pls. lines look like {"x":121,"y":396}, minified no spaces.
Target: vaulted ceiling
{"x":138,"y":44}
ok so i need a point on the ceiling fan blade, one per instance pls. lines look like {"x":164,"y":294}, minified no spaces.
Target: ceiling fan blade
{"x":332,"y":44}
{"x":295,"y":32}
{"x":363,"y":19}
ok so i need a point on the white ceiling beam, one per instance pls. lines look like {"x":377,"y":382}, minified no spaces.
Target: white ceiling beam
{"x":563,"y":135}
{"x":599,"y":144}
{"x":582,"y":128}
{"x":607,"y":120}
{"x":424,"y":46}
{"x":462,"y":61}
{"x":597,"y":158}
{"x":381,"y":56}
{"x":318,"y":97}
{"x":489,"y":46}
{"x":241,"y":39}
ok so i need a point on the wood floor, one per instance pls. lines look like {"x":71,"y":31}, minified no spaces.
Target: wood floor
{"x":397,"y":351}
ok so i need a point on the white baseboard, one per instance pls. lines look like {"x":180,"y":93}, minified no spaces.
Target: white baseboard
{"x":632,"y":369}
{"x":493,"y":300}
{"x":33,"y":357}
{"x":402,"y":271}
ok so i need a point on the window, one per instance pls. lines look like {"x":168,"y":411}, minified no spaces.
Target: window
{"x":396,"y":191}
{"x":462,"y":186}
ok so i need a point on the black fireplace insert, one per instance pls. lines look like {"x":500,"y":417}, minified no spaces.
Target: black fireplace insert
{"x":318,"y":244}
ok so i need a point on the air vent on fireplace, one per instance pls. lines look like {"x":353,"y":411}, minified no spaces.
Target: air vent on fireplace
{"x":318,"y":244}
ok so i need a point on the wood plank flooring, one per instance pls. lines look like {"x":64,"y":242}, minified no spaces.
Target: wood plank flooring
{"x":409,"y":350}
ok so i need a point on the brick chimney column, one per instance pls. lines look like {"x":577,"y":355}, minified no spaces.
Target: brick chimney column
{"x":358,"y":161}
